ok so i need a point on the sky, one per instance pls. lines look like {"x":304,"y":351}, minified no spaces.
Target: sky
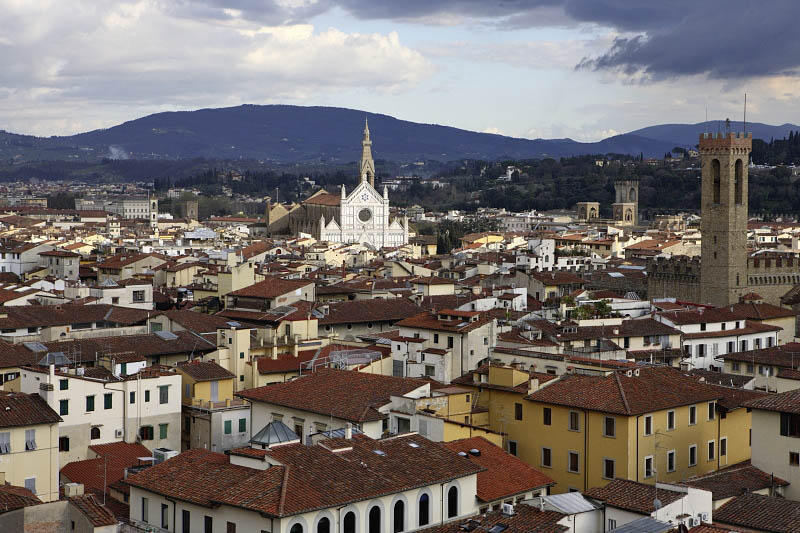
{"x":583,"y":69}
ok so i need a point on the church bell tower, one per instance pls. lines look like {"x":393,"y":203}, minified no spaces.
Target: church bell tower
{"x":366,"y":167}
{"x":723,"y":224}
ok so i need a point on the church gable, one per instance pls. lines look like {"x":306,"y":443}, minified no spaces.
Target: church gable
{"x":363,"y":194}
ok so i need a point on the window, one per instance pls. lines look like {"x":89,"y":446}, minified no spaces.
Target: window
{"x":711,"y":410}
{"x":90,"y":403}
{"x":94,"y":433}
{"x":735,"y":366}
{"x":185,"y":521}
{"x":132,"y":397}
{"x":648,"y":425}
{"x":242,"y":425}
{"x":723,"y":446}
{"x":208,"y":526}
{"x":671,"y":461}
{"x":435,"y":338}
{"x":63,"y":384}
{"x":241,"y":355}
{"x":164,"y":515}
{"x":670,"y":420}
{"x":573,"y":463}
{"x":145,"y":509}
{"x":108,"y":400}
{"x":146,"y":433}
{"x":608,"y":468}
{"x":452,"y":502}
{"x":323,"y":526}
{"x":30,"y":484}
{"x":63,"y":444}
{"x":517,"y":411}
{"x":373,"y":520}
{"x":794,"y":459}
{"x":227,"y":427}
{"x":30,"y":439}
{"x":711,"y":445}
{"x":547,"y":457}
{"x":449,"y":342}
{"x":693,"y":455}
{"x":163,"y":394}
{"x":512,"y":447}
{"x":424,"y":510}
{"x":399,"y":516}
{"x":692,"y":415}
{"x":612,"y":524}
{"x":63,"y":407}
{"x":790,"y":425}
{"x":114,"y":300}
{"x":146,"y":396}
{"x":162,"y":431}
{"x":574,"y":421}
{"x":546,"y":416}
{"x":610,"y":427}
{"x":350,"y":522}
{"x":138,"y":296}
{"x":648,"y":466}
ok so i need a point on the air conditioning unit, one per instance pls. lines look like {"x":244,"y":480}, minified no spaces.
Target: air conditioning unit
{"x":71,"y":490}
{"x":703,"y":517}
{"x":118,"y":433}
{"x":162,"y":454}
{"x":507,"y":509}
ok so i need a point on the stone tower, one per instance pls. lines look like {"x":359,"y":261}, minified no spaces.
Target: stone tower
{"x":626,"y":207}
{"x":366,"y":168}
{"x":191,"y":210}
{"x":723,"y":265}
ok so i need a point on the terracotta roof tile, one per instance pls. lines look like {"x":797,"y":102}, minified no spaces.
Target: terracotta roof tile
{"x":271,"y":288}
{"x":735,"y":480}
{"x":526,"y":519}
{"x":375,"y":310}
{"x":13,"y":497}
{"x":97,"y":514}
{"x":204,"y":371}
{"x":784,"y":402}
{"x":633,"y":496}
{"x":505,"y":475}
{"x":760,"y":513}
{"x":345,"y":394}
{"x":19,"y":409}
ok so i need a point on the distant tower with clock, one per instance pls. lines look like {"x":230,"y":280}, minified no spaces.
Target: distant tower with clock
{"x":359,"y":217}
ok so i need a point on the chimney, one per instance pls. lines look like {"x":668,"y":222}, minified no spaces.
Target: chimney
{"x":534,"y":385}
{"x":348,"y":431}
{"x":51,"y":377}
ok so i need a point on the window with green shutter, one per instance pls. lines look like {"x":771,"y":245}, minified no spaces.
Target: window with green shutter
{"x":242,"y":425}
{"x":147,"y":396}
{"x":228,"y":427}
{"x":90,"y":403}
{"x":162,"y":431}
{"x":107,"y":400}
{"x":63,"y":384}
{"x":63,"y":407}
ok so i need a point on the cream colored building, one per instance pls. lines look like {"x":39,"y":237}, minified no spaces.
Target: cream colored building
{"x":29,"y":444}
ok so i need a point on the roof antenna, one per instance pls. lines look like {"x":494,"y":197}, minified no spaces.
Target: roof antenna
{"x":744,"y":120}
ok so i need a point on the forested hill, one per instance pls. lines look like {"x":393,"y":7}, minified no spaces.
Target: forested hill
{"x":278,"y":133}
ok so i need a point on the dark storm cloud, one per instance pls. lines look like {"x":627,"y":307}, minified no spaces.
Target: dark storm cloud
{"x":727,"y":39}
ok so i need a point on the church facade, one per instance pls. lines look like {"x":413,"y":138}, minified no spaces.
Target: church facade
{"x":359,"y":217}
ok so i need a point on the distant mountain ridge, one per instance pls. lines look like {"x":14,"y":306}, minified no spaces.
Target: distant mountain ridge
{"x":287,"y":134}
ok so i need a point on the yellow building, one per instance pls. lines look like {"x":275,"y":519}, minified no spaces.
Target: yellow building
{"x":641,"y":424}
{"x":29,"y":444}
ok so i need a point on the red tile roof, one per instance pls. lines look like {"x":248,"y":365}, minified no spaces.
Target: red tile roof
{"x":98,"y":473}
{"x":375,"y":310}
{"x":430,"y":321}
{"x":633,"y":496}
{"x":655,"y":388}
{"x":19,"y":409}
{"x":97,"y":514}
{"x":760,"y":513}
{"x":344,"y":394}
{"x":271,"y":288}
{"x":526,"y":519}
{"x":784,"y":402}
{"x":505,"y":475}
{"x":735,"y":480}
{"x":204,"y":371}
{"x":13,"y":497}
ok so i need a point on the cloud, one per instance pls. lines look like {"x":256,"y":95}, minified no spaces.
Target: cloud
{"x":722,"y":39}
{"x":95,"y":58}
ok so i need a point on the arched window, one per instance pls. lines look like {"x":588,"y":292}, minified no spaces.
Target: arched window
{"x":399,"y":516}
{"x":452,"y":502}
{"x":324,"y":525}
{"x":297,"y":528}
{"x":374,"y":525}
{"x":94,"y":433}
{"x":715,"y":177}
{"x":424,"y":510}
{"x":632,"y":195}
{"x":738,"y":172}
{"x":375,"y":520}
{"x":349,"y":522}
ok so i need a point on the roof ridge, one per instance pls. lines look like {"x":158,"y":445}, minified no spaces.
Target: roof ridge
{"x":622,"y":393}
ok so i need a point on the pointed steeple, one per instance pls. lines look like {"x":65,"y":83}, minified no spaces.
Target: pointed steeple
{"x":366,"y":167}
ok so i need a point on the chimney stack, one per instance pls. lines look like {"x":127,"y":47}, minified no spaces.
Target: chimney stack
{"x":348,"y":431}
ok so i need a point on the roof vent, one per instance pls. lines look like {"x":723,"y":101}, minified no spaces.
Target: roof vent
{"x":413,"y":444}
{"x":475,"y":451}
{"x":629,"y":373}
{"x":379,"y":452}
{"x":462,"y":454}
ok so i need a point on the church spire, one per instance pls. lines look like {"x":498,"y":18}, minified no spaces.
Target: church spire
{"x":366,"y":167}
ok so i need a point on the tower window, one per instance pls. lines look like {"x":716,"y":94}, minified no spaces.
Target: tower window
{"x":739,"y":181}
{"x":716,"y":179}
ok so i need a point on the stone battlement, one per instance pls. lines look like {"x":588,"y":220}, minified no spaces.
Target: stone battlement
{"x":715,"y":141}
